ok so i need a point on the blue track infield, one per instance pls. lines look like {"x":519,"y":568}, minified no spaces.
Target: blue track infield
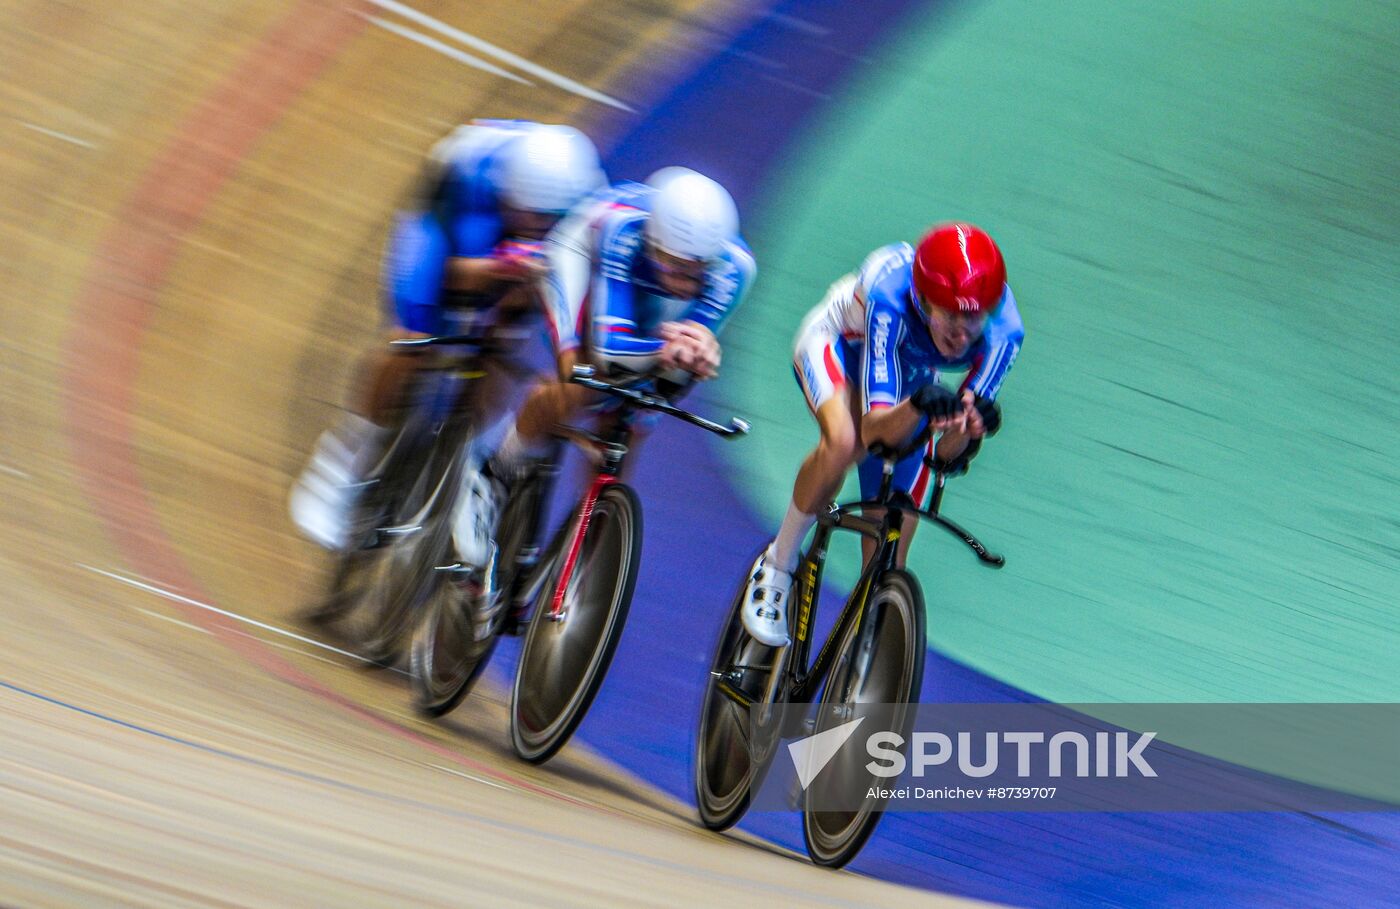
{"x":735,"y":118}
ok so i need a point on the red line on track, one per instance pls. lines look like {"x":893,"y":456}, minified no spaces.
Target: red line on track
{"x":114,"y":307}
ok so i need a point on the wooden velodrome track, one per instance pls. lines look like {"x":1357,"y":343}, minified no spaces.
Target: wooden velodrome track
{"x":193,"y":196}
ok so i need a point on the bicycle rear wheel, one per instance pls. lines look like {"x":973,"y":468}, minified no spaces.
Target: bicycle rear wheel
{"x":730,"y":761}
{"x":564,"y":658}
{"x":453,"y":640}
{"x":876,"y":677}
{"x":463,"y":609}
{"x":367,"y":604}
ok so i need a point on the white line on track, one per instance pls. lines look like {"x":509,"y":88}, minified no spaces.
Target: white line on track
{"x":170,"y":595}
{"x":445,"y":50}
{"x":55,"y":134}
{"x":469,"y":776}
{"x":800,"y":25}
{"x":279,"y":645}
{"x":167,"y":618}
{"x":796,"y":86}
{"x":505,"y":56}
{"x":14,"y":472}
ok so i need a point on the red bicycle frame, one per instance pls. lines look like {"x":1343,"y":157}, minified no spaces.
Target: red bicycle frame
{"x":601,"y":481}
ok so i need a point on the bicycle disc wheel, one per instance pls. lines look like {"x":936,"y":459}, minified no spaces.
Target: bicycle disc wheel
{"x":453,"y":639}
{"x":877,"y":673}
{"x":563,"y":660}
{"x":372,"y":592}
{"x":730,"y":763}
{"x":366,"y":604}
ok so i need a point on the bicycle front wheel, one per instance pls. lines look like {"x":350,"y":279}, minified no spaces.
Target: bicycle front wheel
{"x":878,"y":670}
{"x":735,"y":747}
{"x":565,"y":656}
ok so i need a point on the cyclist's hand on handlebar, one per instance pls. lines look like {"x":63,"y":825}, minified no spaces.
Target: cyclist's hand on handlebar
{"x":944,"y":408}
{"x":689,"y":346}
{"x":983,"y":416}
{"x":517,"y":261}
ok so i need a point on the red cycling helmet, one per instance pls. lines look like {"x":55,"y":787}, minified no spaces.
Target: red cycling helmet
{"x":958,"y":268}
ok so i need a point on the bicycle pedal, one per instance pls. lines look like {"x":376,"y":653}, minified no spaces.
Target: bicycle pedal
{"x":514,"y":625}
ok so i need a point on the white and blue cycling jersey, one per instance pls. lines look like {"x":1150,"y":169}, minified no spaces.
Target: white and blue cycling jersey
{"x":457,"y":215}
{"x":604,"y":290}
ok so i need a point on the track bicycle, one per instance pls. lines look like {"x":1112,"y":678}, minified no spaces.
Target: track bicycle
{"x":580,"y":585}
{"x":399,"y":526}
{"x":580,"y":590}
{"x":871,"y":664}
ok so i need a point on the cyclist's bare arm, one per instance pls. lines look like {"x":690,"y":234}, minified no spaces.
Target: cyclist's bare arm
{"x":484,"y":274}
{"x":890,"y":426}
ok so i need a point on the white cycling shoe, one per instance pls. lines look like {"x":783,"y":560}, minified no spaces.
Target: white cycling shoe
{"x":764,"y":610}
{"x":324,"y":495}
{"x":474,"y":522}
{"x":323,"y":498}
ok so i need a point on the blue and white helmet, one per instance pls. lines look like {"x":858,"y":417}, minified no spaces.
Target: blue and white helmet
{"x":549,"y":169}
{"x":692,"y":216}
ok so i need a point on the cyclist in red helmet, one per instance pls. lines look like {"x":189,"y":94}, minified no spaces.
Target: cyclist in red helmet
{"x":868,"y":358}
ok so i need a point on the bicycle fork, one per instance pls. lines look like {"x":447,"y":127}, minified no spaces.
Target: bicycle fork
{"x":585,"y":517}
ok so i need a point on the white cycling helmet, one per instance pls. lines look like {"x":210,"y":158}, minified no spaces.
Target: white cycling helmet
{"x":692,"y":216}
{"x":549,"y":169}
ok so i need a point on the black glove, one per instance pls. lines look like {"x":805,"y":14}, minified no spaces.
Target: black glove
{"x":937,"y":402}
{"x":990,"y":412}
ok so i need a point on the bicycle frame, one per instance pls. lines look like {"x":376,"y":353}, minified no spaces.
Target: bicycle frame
{"x":886,"y":532}
{"x":612,"y":451}
{"x":608,"y":453}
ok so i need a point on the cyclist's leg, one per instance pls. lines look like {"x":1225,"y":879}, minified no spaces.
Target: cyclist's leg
{"x":819,"y":363}
{"x":551,"y":402}
{"x":382,"y":377}
{"x":548,"y":403}
{"x":413,"y":270}
{"x":497,"y":395}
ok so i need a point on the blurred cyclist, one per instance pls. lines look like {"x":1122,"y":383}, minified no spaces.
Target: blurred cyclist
{"x":460,"y":257}
{"x":868,"y":358}
{"x":642,"y":279}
